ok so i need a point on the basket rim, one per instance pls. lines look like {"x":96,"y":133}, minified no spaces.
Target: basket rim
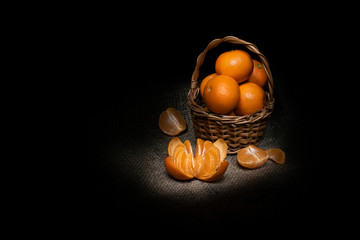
{"x":226,"y":119}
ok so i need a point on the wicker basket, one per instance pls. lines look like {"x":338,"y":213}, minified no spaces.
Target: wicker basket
{"x":237,"y":131}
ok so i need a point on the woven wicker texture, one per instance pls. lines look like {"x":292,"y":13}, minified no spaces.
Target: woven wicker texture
{"x":237,"y":131}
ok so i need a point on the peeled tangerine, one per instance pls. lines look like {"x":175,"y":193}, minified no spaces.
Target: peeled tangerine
{"x":209,"y":163}
{"x":254,"y":157}
{"x":276,"y":154}
{"x":171,"y":122}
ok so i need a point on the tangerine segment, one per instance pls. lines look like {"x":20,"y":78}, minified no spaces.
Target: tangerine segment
{"x":207,"y":164}
{"x":276,"y":154}
{"x":183,"y":159}
{"x":202,"y":147}
{"x":171,"y":122}
{"x":252,"y":157}
{"x":219,"y":172}
{"x":172,"y":145}
{"x":179,"y":153}
{"x":174,"y":171}
{"x":222,"y":146}
{"x":199,"y":159}
{"x":185,"y":164}
{"x":188,"y":147}
{"x":199,"y":147}
{"x":207,"y":146}
{"x":199,"y":162}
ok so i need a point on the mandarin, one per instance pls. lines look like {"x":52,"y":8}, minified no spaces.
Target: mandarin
{"x":276,"y":154}
{"x":251,"y":99}
{"x":204,"y":81}
{"x":221,"y":94}
{"x":209,"y":163}
{"x":236,"y":64}
{"x":252,"y":157}
{"x":172,"y":122}
{"x":258,"y":74}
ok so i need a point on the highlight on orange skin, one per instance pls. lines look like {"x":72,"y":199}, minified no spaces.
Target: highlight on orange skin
{"x":237,"y":64}
{"x":258,"y":75}
{"x":204,"y":82}
{"x":251,"y":99}
{"x":221,"y":94}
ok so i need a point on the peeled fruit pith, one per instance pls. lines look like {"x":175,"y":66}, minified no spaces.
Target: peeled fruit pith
{"x":276,"y":154}
{"x":209,"y":163}
{"x":252,"y":157}
{"x":171,"y":122}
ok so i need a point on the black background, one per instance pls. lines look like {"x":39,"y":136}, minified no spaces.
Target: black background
{"x":119,"y":63}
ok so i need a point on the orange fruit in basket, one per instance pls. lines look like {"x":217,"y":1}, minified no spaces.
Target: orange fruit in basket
{"x":258,"y":74}
{"x":209,"y":163}
{"x":221,"y":94}
{"x":251,"y":100}
{"x":252,"y":157}
{"x":236,"y":64}
{"x":204,"y":81}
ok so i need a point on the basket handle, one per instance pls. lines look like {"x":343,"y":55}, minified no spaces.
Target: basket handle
{"x":231,"y":39}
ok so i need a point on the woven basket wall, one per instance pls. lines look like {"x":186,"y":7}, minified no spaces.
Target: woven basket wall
{"x":237,"y":131}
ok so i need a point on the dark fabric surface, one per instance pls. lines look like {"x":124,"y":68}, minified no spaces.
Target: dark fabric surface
{"x":126,"y":176}
{"x":121,"y":180}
